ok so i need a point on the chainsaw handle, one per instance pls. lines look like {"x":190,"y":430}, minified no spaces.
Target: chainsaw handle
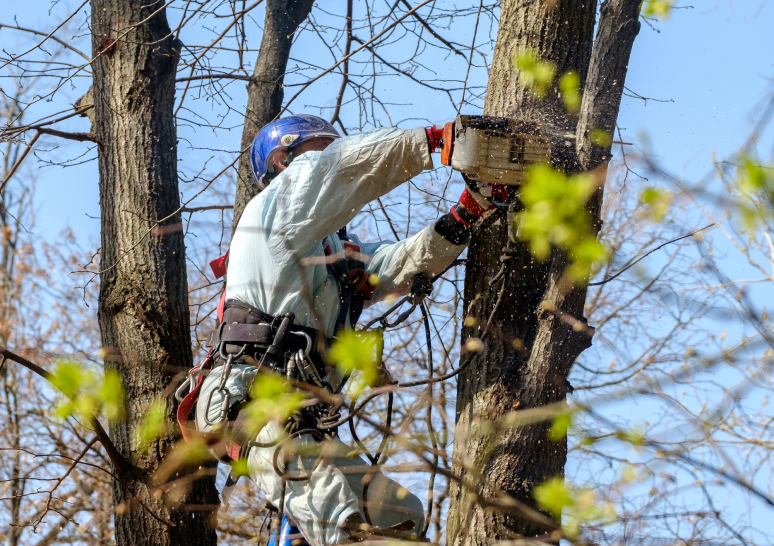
{"x":447,"y":145}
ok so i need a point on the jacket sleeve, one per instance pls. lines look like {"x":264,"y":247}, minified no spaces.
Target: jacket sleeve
{"x":397,"y":263}
{"x":322,"y":191}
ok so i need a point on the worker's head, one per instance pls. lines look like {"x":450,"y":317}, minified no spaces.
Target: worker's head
{"x":282,"y":140}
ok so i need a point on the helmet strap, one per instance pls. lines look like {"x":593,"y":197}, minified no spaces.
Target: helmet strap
{"x":290,"y":157}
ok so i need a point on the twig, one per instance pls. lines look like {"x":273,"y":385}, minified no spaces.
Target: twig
{"x":64,"y":477}
{"x":15,"y":130}
{"x":434,"y":33}
{"x":470,"y":61}
{"x":208,"y":207}
{"x":365,"y":45}
{"x":222,"y":76}
{"x":648,"y":254}
{"x":47,"y":36}
{"x":19,"y":161}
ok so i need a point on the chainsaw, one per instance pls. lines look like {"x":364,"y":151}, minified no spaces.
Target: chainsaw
{"x":494,"y":150}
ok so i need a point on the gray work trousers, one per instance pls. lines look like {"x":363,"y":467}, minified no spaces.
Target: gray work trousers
{"x":334,"y":491}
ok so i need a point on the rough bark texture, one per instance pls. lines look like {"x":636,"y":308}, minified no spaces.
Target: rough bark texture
{"x":503,"y":379}
{"x":143,"y":304}
{"x":265,"y":92}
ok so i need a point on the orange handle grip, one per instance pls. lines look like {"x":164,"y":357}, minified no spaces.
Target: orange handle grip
{"x":448,"y":143}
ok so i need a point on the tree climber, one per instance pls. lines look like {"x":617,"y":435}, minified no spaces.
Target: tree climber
{"x":285,"y":286}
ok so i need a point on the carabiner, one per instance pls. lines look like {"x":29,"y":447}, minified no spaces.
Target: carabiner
{"x":178,"y":392}
{"x":224,"y":405}
{"x":308,"y":342}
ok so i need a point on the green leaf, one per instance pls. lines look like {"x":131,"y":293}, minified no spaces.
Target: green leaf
{"x":552,"y":496}
{"x":635,"y":436}
{"x":272,"y":399}
{"x":534,"y":72}
{"x":657,"y":202}
{"x":658,"y":8}
{"x":86,"y":392}
{"x":555,"y":214}
{"x":111,"y":395}
{"x":357,"y":351}
{"x":601,"y":138}
{"x":580,"y":506}
{"x":569,"y":86}
{"x":559,"y":428}
{"x":71,"y":378}
{"x":239,"y":468}
{"x":154,"y":423}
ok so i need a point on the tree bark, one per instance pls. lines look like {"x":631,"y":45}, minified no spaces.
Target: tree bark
{"x":143,"y":303}
{"x":530,"y":350}
{"x":265,"y":93}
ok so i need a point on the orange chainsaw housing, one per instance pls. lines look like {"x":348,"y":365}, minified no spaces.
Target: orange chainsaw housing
{"x":448,"y":143}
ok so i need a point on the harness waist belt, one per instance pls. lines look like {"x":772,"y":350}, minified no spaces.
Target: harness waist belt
{"x":257,"y":334}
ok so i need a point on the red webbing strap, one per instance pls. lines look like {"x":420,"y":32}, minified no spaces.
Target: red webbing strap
{"x":221,"y":306}
{"x":218,"y":267}
{"x":184,"y":410}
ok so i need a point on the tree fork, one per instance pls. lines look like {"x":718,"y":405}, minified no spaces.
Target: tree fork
{"x":143,"y":305}
{"x":265,"y":92}
{"x":526,"y":361}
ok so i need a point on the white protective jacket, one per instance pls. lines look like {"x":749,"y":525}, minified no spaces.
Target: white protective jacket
{"x":282,"y":229}
{"x":277,"y":260}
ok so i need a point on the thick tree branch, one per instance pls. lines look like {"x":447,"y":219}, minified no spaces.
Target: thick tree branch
{"x":618,"y":27}
{"x":80,"y":137}
{"x":556,"y":342}
{"x":345,"y":67}
{"x":265,"y":92}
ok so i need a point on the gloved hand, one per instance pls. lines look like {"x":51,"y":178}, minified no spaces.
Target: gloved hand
{"x":434,"y":138}
{"x":475,"y":200}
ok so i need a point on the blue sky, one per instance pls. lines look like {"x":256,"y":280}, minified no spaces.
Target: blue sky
{"x":714,"y":61}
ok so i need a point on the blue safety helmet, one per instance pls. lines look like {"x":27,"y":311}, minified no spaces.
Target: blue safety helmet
{"x":284,"y":134}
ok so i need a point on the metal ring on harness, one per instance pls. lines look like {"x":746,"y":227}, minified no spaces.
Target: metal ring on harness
{"x":308,"y":342}
{"x":224,"y":375}
{"x":190,"y":380}
{"x":179,"y":391}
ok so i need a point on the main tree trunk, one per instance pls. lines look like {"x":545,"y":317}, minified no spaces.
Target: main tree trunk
{"x":529,"y":351}
{"x":143,"y":300}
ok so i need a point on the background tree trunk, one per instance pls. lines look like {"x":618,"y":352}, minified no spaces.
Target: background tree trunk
{"x":265,"y":93}
{"x":529,"y":352}
{"x":143,"y":300}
